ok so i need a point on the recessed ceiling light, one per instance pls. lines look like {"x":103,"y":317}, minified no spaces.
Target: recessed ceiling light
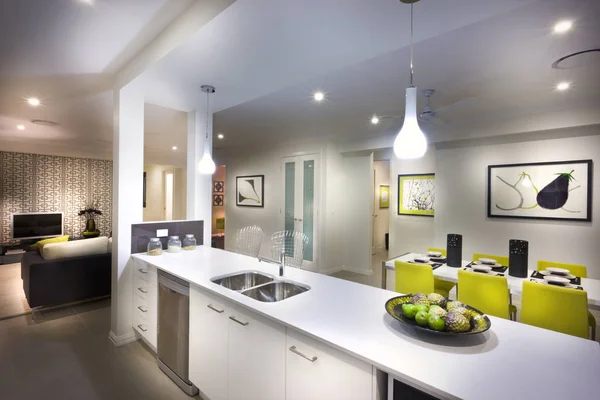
{"x":220,"y":136}
{"x":88,"y":2}
{"x":33,"y":101}
{"x":563,"y":86}
{"x":21,"y":127}
{"x":563,"y":26}
{"x":374,"y":120}
{"x":319,"y":96}
{"x":174,"y":148}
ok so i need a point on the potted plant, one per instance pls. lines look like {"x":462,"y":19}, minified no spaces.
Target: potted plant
{"x":90,"y":211}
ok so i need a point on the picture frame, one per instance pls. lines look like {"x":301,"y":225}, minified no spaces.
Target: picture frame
{"x":250,"y":191}
{"x":384,"y":196}
{"x":555,"y":190}
{"x":416,"y":194}
{"x":218,"y":186}
{"x":218,"y":200}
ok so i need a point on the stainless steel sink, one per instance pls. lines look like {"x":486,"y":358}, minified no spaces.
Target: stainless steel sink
{"x":275,"y":291}
{"x":243,"y":280}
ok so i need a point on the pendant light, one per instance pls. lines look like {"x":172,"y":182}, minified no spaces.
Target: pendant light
{"x":410,"y":141}
{"x":207,"y":165}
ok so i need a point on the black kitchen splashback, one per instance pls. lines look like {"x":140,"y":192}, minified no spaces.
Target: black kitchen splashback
{"x":141,"y":233}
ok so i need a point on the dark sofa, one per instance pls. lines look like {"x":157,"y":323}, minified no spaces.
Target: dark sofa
{"x":54,"y":282}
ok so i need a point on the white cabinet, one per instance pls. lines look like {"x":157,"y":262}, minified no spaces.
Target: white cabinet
{"x":208,"y":344}
{"x":256,"y":357}
{"x":145,"y":302}
{"x":235,"y":354}
{"x":318,"y":372}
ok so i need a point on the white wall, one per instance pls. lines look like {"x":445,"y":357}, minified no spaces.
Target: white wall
{"x":411,"y":232}
{"x":358,"y":210}
{"x":155,"y":192}
{"x":339,"y":242}
{"x":461,"y":184}
{"x":382,"y":215}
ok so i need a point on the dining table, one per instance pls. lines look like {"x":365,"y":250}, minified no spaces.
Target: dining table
{"x":515,"y":284}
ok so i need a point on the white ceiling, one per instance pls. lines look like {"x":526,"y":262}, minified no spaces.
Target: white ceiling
{"x":266,"y":57}
{"x":65,"y":52}
{"x":500,"y":67}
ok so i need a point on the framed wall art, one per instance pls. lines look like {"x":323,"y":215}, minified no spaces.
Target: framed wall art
{"x":249,"y":191}
{"x":416,"y":194}
{"x":384,"y":196}
{"x":218,"y":186}
{"x":549,"y":190}
{"x":218,"y":200}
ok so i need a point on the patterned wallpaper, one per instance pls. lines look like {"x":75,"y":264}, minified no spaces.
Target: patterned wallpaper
{"x":39,"y":183}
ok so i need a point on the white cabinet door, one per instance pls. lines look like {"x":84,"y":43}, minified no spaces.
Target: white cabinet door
{"x":256,"y":357}
{"x":208,"y":344}
{"x":318,"y":372}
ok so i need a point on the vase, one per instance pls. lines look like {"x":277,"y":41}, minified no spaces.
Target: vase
{"x":454,"y":250}
{"x":518,"y":254}
{"x":90,"y":229}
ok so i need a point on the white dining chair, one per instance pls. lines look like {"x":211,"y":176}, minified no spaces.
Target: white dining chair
{"x":248,"y":240}
{"x":290,"y":242}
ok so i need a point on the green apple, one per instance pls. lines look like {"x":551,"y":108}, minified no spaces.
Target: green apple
{"x":422,"y":307}
{"x":436,"y":323}
{"x":422,"y":318}
{"x":409,"y":310}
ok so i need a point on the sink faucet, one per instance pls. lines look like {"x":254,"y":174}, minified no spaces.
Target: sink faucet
{"x":281,"y":262}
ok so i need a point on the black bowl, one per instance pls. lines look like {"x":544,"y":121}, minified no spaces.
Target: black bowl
{"x":479,"y":323}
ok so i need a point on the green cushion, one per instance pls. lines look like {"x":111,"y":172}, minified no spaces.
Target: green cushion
{"x":38,"y":245}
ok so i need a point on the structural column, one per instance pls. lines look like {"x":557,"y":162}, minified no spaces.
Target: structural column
{"x":199,"y":187}
{"x":128,"y":170}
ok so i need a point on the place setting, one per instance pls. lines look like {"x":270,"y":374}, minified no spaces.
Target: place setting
{"x":558,"y":277}
{"x":426,"y":260}
{"x":487,"y":266}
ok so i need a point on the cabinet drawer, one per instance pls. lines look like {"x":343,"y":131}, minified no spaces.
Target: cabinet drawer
{"x":144,"y":307}
{"x":145,"y":271}
{"x":145,"y":325}
{"x":319,"y":372}
{"x":142,"y":288}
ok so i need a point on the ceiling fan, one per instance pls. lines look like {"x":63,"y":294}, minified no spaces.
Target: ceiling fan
{"x":429,"y":115}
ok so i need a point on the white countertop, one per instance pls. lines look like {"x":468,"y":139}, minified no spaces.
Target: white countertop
{"x":515,"y":285}
{"x":511,"y":360}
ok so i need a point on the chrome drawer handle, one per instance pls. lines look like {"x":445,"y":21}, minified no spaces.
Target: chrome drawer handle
{"x":142,"y":290}
{"x":214,"y":308}
{"x":233,"y":318}
{"x":294,"y":350}
{"x":143,"y":270}
{"x":143,"y":309}
{"x":142,"y":328}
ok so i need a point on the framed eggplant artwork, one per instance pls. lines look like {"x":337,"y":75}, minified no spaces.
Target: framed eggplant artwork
{"x":560,"y":190}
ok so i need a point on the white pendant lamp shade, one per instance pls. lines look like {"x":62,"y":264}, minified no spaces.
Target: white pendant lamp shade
{"x":410,"y":142}
{"x":206,"y":165}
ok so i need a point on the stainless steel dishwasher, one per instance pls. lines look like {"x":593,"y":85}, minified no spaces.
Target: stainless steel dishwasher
{"x":173,"y":330}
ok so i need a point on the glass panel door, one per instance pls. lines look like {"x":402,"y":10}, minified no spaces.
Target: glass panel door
{"x":308,"y":203}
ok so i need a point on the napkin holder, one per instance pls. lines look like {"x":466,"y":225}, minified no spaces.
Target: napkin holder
{"x":454,"y":250}
{"x":518,"y":255}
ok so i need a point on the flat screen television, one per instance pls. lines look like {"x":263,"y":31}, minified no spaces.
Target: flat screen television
{"x":37,"y":225}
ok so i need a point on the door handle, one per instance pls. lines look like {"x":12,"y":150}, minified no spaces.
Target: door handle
{"x":214,"y":308}
{"x":142,"y":328}
{"x":143,"y":309}
{"x":142,"y":290}
{"x":233,"y":318}
{"x":294,"y":350}
{"x":143,"y":270}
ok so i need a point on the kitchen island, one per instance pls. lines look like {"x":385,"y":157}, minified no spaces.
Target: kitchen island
{"x":511,"y":360}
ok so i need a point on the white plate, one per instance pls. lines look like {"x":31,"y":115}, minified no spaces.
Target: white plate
{"x":480,"y":267}
{"x":486,"y":273}
{"x":421,"y":259}
{"x":436,"y":254}
{"x":558,"y":271}
{"x":545,"y":273}
{"x":557,"y":279}
{"x":489,"y":261}
{"x":489,"y":265}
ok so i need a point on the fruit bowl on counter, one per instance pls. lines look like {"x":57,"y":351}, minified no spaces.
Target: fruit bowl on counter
{"x":436,"y":314}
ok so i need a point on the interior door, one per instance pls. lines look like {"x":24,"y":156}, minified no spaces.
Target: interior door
{"x":300,"y":213}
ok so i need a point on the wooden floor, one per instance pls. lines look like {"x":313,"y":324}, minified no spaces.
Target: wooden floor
{"x":12,"y":297}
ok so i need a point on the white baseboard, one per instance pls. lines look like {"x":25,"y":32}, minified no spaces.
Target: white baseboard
{"x":358,"y":271}
{"x":332,"y":271}
{"x":123,"y":339}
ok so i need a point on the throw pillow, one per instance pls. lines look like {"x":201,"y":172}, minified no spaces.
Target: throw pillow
{"x":38,"y":245}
